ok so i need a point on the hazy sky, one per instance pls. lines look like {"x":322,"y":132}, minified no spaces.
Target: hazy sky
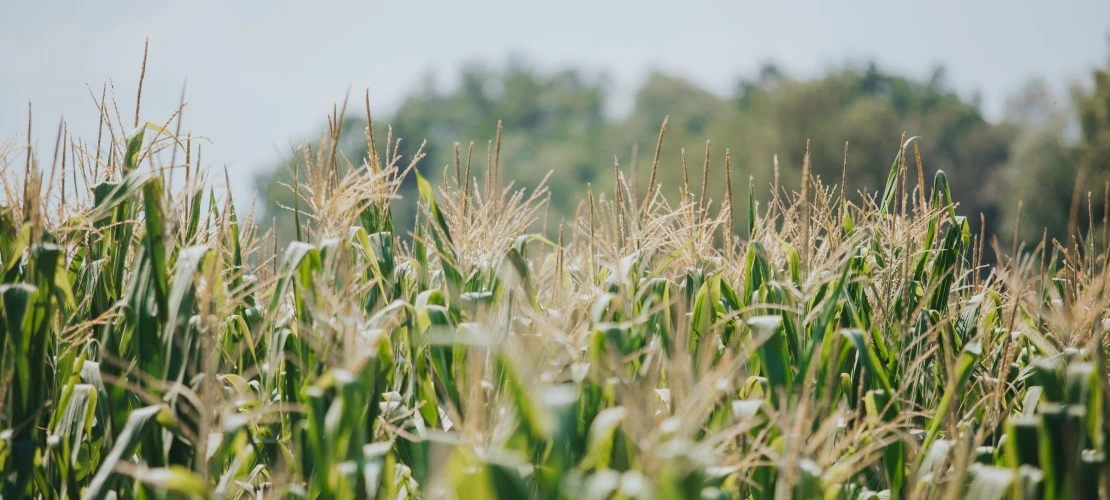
{"x":264,"y":74}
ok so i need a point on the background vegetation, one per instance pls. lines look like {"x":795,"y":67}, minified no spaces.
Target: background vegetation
{"x":557,"y":122}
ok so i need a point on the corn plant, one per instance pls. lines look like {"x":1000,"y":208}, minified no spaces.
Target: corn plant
{"x":154,"y":343}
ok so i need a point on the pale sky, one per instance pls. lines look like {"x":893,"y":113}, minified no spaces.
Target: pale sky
{"x":264,"y":74}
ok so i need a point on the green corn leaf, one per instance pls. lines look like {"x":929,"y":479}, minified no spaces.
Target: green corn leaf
{"x":1022,"y":441}
{"x":882,"y":408}
{"x":868,"y":358}
{"x":990,"y":483}
{"x":892,"y":178}
{"x":964,"y":366}
{"x":534,"y":427}
{"x":155,"y":240}
{"x":602,"y":442}
{"x":16,"y":302}
{"x":505,"y":478}
{"x":173,"y":479}
{"x":773,"y":355}
{"x":138,"y":424}
{"x":134,"y":147}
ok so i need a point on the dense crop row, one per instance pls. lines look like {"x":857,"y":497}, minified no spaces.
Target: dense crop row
{"x":827,"y":345}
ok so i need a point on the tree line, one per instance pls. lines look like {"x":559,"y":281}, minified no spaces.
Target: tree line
{"x":1045,"y":164}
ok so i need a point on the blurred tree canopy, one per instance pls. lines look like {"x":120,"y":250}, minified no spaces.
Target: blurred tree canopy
{"x":1062,"y":182}
{"x":557,"y":123}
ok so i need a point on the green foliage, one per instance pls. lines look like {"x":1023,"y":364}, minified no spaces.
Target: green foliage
{"x":847,"y":348}
{"x":557,"y":123}
{"x":1062,"y":183}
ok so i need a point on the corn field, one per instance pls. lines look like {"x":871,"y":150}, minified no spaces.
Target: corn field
{"x":792,"y":342}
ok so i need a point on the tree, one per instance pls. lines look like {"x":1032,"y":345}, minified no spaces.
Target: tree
{"x":1061,"y":183}
{"x":551,"y":122}
{"x":556,"y":122}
